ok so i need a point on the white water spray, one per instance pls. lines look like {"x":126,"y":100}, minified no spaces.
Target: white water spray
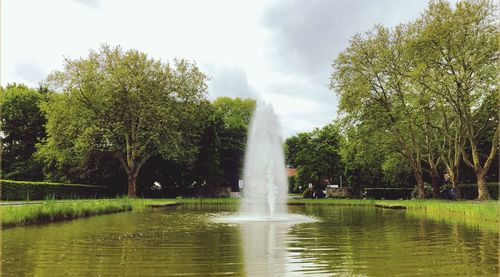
{"x":265,"y":182}
{"x":265,"y":189}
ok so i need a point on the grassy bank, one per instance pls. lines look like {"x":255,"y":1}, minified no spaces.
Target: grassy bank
{"x":37,"y":212}
{"x":50,"y":211}
{"x":469,"y":212}
{"x":484,"y":215}
{"x":487,"y":210}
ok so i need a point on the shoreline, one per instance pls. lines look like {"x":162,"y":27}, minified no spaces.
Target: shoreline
{"x":43,"y":212}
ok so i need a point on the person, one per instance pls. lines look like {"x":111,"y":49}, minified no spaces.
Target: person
{"x":453,"y":194}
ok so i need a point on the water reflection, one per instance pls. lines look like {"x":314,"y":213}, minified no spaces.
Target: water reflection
{"x":348,"y":241}
{"x":356,"y":241}
{"x":264,"y":248}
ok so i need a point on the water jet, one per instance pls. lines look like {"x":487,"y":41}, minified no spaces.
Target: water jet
{"x":265,"y":190}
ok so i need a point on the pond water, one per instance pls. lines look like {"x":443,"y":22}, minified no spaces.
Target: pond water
{"x":346,"y":241}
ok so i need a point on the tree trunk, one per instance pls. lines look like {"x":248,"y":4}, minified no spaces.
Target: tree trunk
{"x":482,"y":189}
{"x":453,"y":171}
{"x":435,"y":183}
{"x":420,"y":183}
{"x":132,"y":177}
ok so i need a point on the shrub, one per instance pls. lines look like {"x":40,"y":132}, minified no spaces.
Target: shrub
{"x":24,"y":190}
{"x":307,"y":193}
{"x":388,"y":193}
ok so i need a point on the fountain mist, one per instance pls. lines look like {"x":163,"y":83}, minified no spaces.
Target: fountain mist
{"x":265,"y":189}
{"x":265,"y":181}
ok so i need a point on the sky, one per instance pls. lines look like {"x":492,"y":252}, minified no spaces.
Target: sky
{"x":277,"y":51}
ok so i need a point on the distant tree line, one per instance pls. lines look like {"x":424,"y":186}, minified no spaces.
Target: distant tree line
{"x":119,"y":117}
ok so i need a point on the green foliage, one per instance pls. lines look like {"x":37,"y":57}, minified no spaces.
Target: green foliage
{"x":424,"y":88}
{"x":24,"y":190}
{"x":219,"y":159}
{"x":293,"y":185}
{"x":126,"y":104}
{"x":234,"y":116}
{"x":364,"y":153}
{"x":208,"y":172}
{"x":388,"y":193}
{"x":316,"y":155}
{"x":22,"y":127}
{"x":292,"y":147}
{"x":235,"y":112}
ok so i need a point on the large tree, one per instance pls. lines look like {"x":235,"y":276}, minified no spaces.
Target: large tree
{"x":458,"y":54}
{"x":428,"y":85}
{"x":127,"y":104}
{"x":371,"y":77}
{"x":22,"y":128}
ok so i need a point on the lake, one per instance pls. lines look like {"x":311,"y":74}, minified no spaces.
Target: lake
{"x":183,"y":240}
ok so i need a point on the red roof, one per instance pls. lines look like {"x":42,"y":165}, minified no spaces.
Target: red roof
{"x":290,"y":171}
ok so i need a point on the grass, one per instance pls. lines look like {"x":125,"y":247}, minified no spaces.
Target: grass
{"x":486,"y":210}
{"x":470,"y":212}
{"x":333,"y":202}
{"x":50,"y":210}
{"x":58,"y":210}
{"x":209,"y":201}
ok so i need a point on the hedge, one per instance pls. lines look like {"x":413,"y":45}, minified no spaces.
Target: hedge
{"x":388,"y":193}
{"x":469,"y":191}
{"x":24,"y":190}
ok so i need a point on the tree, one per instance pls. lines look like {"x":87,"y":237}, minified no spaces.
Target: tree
{"x":292,"y":147}
{"x":22,"y":127}
{"x":370,"y":160}
{"x":235,"y":114}
{"x":126,"y":104}
{"x":458,"y":49}
{"x":317,"y":155}
{"x":371,"y":79}
{"x":208,"y":172}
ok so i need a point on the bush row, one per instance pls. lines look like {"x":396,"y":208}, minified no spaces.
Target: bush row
{"x":469,"y":191}
{"x":24,"y":190}
{"x":388,"y":193}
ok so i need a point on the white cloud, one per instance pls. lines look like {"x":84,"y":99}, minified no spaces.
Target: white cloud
{"x":279,"y":51}
{"x":229,"y":80}
{"x":93,"y":4}
{"x":29,"y":72}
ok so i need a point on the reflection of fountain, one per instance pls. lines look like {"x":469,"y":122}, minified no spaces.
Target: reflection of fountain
{"x":264,"y":248}
{"x":264,"y":219}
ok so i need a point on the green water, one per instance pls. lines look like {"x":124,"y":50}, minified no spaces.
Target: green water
{"x":347,"y":241}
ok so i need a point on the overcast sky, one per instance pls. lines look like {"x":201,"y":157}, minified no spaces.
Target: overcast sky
{"x":278,"y":51}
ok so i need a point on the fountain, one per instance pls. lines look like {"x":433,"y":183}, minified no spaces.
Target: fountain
{"x":265,"y":190}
